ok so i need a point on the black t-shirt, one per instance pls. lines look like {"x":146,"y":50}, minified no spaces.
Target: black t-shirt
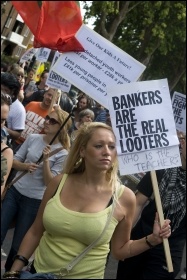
{"x":145,"y":225}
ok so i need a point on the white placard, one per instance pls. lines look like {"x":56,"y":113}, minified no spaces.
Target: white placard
{"x":151,"y":160}
{"x":43,"y":54}
{"x":56,"y":81}
{"x":101,"y":65}
{"x":142,"y":120}
{"x":179,"y":110}
{"x":28,"y":54}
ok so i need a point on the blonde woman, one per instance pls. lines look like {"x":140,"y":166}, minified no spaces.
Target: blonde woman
{"x":23,"y":198}
{"x":74,"y":212}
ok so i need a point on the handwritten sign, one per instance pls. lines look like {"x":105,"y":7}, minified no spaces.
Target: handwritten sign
{"x":150,"y":160}
{"x":101,"y":65}
{"x":179,"y":110}
{"x":43,"y":54}
{"x":56,"y":81}
{"x":142,"y":120}
{"x":28,"y":54}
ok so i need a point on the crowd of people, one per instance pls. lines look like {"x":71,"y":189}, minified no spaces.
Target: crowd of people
{"x":60,"y":186}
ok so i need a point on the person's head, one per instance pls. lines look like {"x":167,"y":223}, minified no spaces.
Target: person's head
{"x":30,"y":74}
{"x":182,"y":147}
{"x":10,"y":85}
{"x":5,"y":107}
{"x":4,"y":67}
{"x":94,"y":148}
{"x":18,"y":71}
{"x":86,"y":115}
{"x":48,"y":97}
{"x":53,"y":122}
{"x":83,"y":102}
{"x":43,"y":78}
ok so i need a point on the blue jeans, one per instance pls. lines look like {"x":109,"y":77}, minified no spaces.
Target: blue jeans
{"x":28,"y":275}
{"x":24,"y":209}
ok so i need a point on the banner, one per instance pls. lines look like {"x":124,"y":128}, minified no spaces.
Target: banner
{"x":101,"y":65}
{"x":143,"y":122}
{"x":179,"y":110}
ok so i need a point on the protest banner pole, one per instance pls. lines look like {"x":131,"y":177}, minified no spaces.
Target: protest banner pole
{"x":59,"y":97}
{"x":52,"y":101}
{"x":161,"y":218}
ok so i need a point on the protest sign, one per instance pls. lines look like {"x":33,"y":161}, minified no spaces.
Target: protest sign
{"x":101,"y":65}
{"x":56,"y":81}
{"x":143,"y":122}
{"x":179,"y":110}
{"x":28,"y":54}
{"x":43,"y":54}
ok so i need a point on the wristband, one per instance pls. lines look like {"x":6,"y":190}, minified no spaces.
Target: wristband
{"x":21,"y":258}
{"x":148,"y":243}
{"x":12,"y":274}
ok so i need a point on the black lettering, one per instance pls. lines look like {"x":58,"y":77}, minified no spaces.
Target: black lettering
{"x":116,"y":103}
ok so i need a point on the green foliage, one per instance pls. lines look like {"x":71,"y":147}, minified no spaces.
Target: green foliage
{"x":47,"y":65}
{"x":8,"y":59}
{"x":153,"y":32}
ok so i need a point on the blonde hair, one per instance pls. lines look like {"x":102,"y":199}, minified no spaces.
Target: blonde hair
{"x":63,"y":135}
{"x":84,"y":134}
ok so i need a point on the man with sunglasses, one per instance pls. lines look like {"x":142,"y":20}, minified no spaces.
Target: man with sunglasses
{"x":35,"y":116}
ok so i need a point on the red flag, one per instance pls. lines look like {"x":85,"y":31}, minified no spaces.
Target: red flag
{"x":53,"y":23}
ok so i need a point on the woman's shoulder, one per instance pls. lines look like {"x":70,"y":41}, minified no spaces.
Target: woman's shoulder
{"x":54,"y":184}
{"x":127,"y":196}
{"x":6,"y":149}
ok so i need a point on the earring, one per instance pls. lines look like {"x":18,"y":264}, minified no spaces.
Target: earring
{"x":78,"y":163}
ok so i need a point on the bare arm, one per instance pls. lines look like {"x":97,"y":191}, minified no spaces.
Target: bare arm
{"x":121,"y":245}
{"x":8,"y":154}
{"x":14,"y":134}
{"x":24,"y":166}
{"x":141,"y":200}
{"x":35,"y":232}
{"x":47,"y":174}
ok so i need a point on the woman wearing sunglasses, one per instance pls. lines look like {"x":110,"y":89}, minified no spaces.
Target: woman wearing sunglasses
{"x":23,"y":198}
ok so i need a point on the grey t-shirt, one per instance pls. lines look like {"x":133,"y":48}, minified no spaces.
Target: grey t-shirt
{"x":32,"y":184}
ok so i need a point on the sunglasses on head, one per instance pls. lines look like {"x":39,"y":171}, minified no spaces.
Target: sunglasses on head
{"x":51,"y":121}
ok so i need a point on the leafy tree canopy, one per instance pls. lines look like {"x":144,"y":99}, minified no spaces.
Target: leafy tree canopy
{"x":153,"y":32}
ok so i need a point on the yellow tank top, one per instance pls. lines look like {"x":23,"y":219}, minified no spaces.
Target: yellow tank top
{"x":67,"y":234}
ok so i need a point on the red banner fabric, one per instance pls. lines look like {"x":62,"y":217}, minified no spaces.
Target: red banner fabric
{"x":53,"y":23}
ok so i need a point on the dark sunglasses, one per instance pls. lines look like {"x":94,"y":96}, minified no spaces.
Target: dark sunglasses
{"x":6,"y":98}
{"x":51,"y":121}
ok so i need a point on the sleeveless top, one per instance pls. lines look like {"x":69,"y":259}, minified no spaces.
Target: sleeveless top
{"x":68,"y":233}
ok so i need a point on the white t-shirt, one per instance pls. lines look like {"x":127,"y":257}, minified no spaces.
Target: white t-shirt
{"x":17,"y":116}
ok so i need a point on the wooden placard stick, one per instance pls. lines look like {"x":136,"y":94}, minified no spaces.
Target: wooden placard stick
{"x":161,"y":217}
{"x":53,"y":101}
{"x":59,"y":97}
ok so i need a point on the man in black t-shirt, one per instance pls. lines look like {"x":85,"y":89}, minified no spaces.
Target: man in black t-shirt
{"x":172,"y":187}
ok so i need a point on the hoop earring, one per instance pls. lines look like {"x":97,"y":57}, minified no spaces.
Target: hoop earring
{"x":78,"y":163}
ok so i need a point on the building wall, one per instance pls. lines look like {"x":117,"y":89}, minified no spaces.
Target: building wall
{"x":15,"y":35}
